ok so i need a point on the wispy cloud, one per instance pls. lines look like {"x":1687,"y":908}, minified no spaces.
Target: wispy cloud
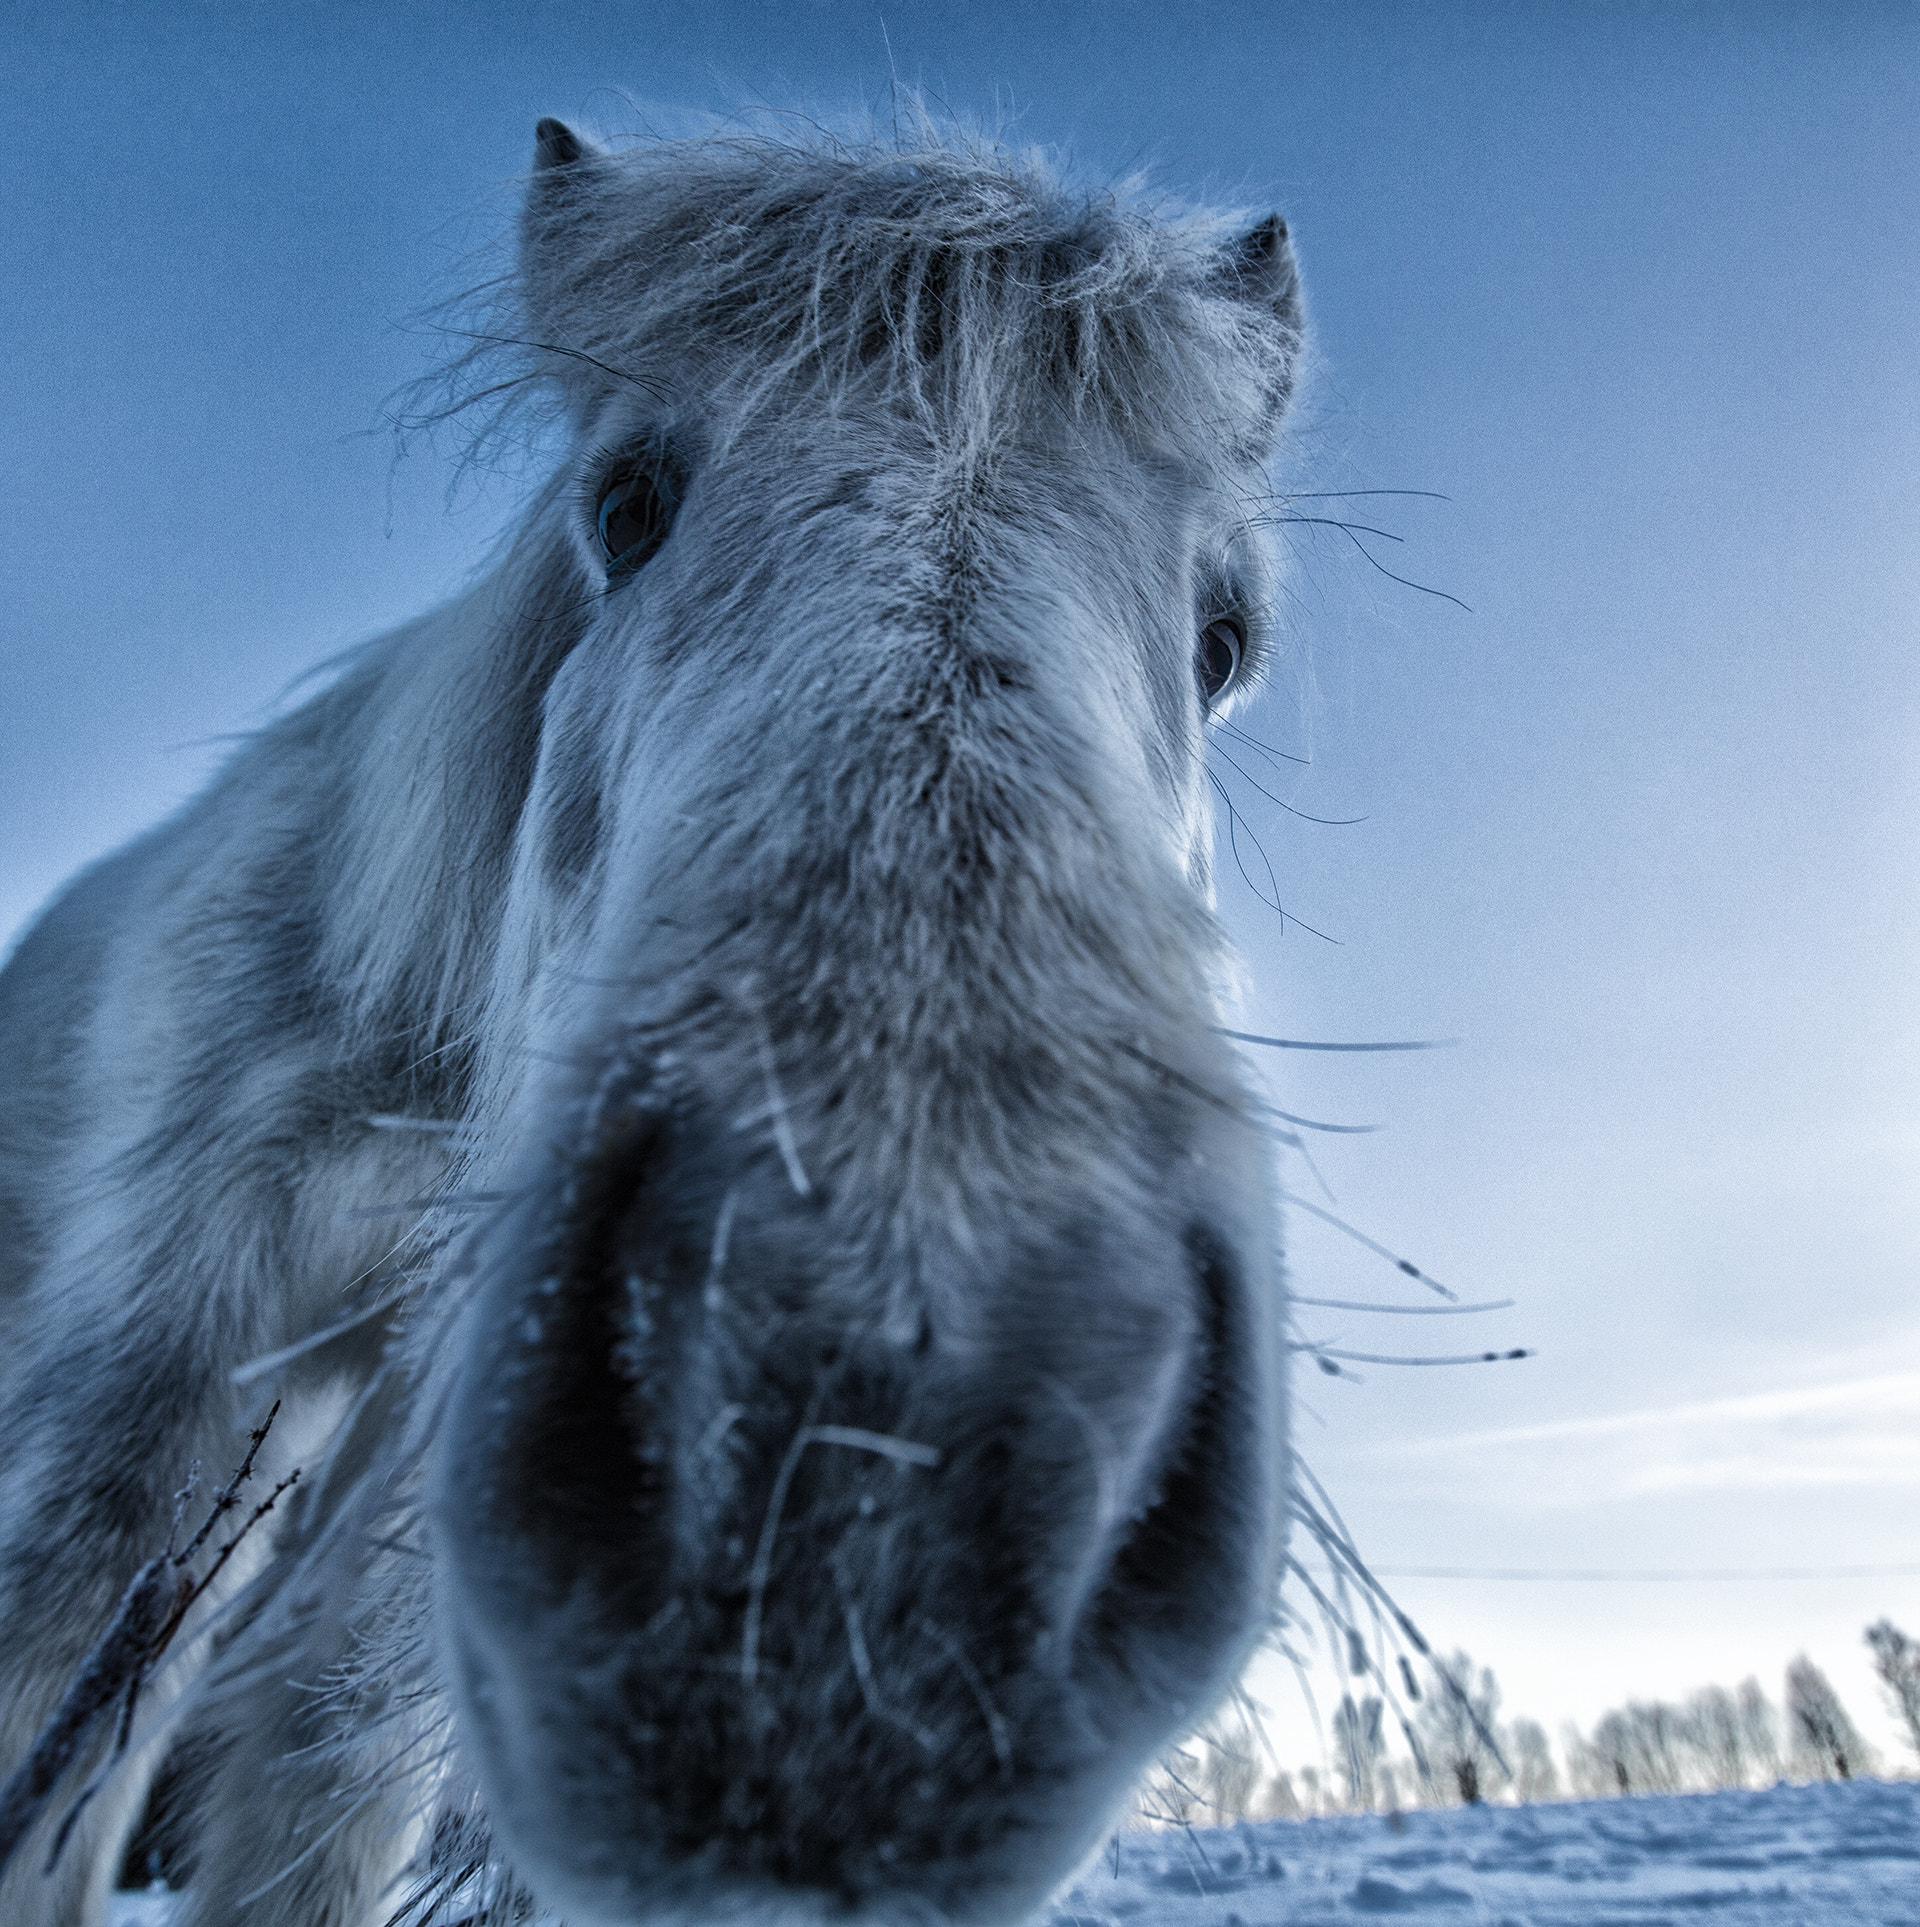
{"x":1852,"y":1432}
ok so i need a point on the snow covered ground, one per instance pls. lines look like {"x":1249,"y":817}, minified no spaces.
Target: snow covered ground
{"x":1789,"y":1857}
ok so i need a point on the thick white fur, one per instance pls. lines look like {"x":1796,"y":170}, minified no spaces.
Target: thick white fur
{"x":968,"y":457}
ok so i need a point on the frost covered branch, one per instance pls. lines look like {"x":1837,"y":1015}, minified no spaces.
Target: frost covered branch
{"x":124,"y":1657}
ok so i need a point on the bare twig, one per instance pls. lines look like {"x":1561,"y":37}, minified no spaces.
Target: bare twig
{"x":125,"y":1656}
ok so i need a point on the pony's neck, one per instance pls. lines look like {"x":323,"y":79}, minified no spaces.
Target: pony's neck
{"x":438,"y":730}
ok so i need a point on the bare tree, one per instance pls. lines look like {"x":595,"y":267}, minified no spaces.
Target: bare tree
{"x":1717,"y":1739}
{"x":1456,"y":1725}
{"x":1824,"y":1741}
{"x":1655,"y":1734}
{"x":1616,"y":1754}
{"x":1279,"y":1801}
{"x":1712,"y":1732}
{"x":1227,"y":1773}
{"x":1896,"y":1658}
{"x":1759,"y":1729}
{"x":1649,"y":1746}
{"x":1534,"y":1776}
{"x":1589,"y":1772}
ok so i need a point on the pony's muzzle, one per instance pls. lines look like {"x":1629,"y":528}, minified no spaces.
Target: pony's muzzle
{"x":745,"y":1568}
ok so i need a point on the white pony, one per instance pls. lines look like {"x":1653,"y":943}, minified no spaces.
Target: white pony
{"x":693,"y":1072}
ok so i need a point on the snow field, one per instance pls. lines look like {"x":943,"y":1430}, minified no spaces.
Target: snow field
{"x":1791,"y":1856}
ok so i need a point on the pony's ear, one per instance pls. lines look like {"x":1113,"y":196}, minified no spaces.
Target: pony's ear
{"x":568,"y":173}
{"x":1259,"y":268}
{"x":559,"y":223}
{"x":555,"y":144}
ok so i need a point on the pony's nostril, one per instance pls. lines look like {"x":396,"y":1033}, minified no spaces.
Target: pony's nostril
{"x":1165,"y":1573}
{"x":578,"y":1471}
{"x":625,"y":1412}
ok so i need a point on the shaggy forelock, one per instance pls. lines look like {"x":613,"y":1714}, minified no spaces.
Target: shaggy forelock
{"x":951,"y":275}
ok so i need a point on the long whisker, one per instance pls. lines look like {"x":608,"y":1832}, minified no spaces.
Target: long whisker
{"x":1385,"y":1358}
{"x":1313,"y":1124}
{"x":1272,"y":901}
{"x":996,"y":1725}
{"x":1406,"y":582}
{"x":1344,"y":494}
{"x":924,"y":1737}
{"x":447,"y":1201}
{"x":653,"y":388}
{"x":1360,"y":1237}
{"x":1295,"y":1043}
{"x":1403,"y":1311}
{"x":901,"y":1451}
{"x":1330,"y":822}
{"x":1333,"y":522}
{"x":1221,"y":726}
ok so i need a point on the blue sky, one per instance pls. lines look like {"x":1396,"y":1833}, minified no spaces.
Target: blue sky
{"x":1634,"y":287}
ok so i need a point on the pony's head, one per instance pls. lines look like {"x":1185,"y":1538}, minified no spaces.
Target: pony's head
{"x":864,"y":1446}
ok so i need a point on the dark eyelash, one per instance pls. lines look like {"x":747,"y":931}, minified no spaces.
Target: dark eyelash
{"x":606,"y":465}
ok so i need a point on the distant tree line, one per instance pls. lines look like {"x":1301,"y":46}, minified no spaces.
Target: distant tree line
{"x":1442,"y":1741}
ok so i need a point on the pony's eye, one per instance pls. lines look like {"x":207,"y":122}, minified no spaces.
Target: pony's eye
{"x":635,"y":513}
{"x":1217,"y":660}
